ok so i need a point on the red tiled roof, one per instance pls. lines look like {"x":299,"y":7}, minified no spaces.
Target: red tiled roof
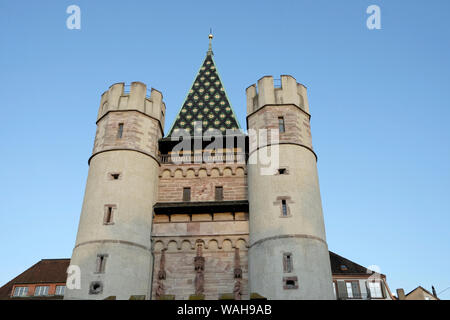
{"x":351,"y":267}
{"x":45,"y":271}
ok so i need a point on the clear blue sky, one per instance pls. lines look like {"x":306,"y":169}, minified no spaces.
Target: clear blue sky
{"x":379,"y":101}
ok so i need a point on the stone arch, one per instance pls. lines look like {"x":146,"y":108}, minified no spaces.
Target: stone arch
{"x":227,"y":244}
{"x":172,"y":246}
{"x":213,"y":244}
{"x":240,"y":171}
{"x":241,"y":243}
{"x":202,"y":173}
{"x":215,"y":172}
{"x":158,"y":246}
{"x":186,"y":245}
{"x":166,"y":174}
{"x":190,"y":173}
{"x":178,"y":173}
{"x":227,"y":171}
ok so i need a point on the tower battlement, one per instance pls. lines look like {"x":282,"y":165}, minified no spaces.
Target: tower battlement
{"x":266,"y":93}
{"x":117,"y":98}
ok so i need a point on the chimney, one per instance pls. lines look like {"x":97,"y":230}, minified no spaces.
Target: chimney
{"x":401,"y":294}
{"x":434,"y":291}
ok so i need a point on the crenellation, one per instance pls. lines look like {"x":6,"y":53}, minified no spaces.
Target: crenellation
{"x":266,"y":93}
{"x":117,"y":99}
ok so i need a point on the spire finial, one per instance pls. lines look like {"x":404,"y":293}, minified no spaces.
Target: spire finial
{"x":210,"y":41}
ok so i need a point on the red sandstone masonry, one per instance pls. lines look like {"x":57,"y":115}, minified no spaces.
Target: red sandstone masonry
{"x":174,"y":178}
{"x":219,"y":273}
{"x":140,"y":132}
{"x":297,"y":125}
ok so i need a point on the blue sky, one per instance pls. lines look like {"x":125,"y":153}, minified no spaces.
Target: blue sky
{"x":379,"y":101}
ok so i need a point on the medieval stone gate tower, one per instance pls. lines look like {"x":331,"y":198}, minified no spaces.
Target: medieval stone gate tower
{"x":160,"y":224}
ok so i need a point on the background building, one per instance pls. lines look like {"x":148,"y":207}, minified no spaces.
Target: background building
{"x":418,"y":293}
{"x":52,"y":273}
{"x":44,"y":280}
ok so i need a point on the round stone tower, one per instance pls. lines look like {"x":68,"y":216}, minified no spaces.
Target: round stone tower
{"x":288,"y":254}
{"x":113,"y":247}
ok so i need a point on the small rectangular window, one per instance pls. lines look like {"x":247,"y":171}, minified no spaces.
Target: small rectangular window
{"x":20,"y":292}
{"x":60,"y":290}
{"x":335,"y":290}
{"x":101,"y":263}
{"x":120,"y":131}
{"x":219,"y":193}
{"x":109,"y":212}
{"x":287,"y":263}
{"x":284,"y":208}
{"x":186,"y":194}
{"x":282,"y":171}
{"x":41,"y":291}
{"x":281,"y":124}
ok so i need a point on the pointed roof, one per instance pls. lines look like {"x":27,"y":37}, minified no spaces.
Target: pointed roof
{"x":423,"y":289}
{"x":206,"y":102}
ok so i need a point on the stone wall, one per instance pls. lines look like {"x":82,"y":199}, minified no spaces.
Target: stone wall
{"x":219,"y":270}
{"x":219,"y":239}
{"x":202,"y":179}
{"x":140,"y":132}
{"x":296,"y":122}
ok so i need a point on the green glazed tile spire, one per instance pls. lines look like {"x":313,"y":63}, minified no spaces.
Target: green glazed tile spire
{"x":206,"y":102}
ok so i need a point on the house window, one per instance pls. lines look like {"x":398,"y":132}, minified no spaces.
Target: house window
{"x":282,"y":171}
{"x":101,"y":263}
{"x":41,"y":291}
{"x":335,"y":289}
{"x":353,"y":291}
{"x":109,"y":214}
{"x":284,"y":211}
{"x":20,"y":291}
{"x":186,"y":194}
{"x":120,"y":131}
{"x":281,"y":124}
{"x":375,"y":289}
{"x":219,"y":193}
{"x":287,"y":263}
{"x":60,"y":290}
